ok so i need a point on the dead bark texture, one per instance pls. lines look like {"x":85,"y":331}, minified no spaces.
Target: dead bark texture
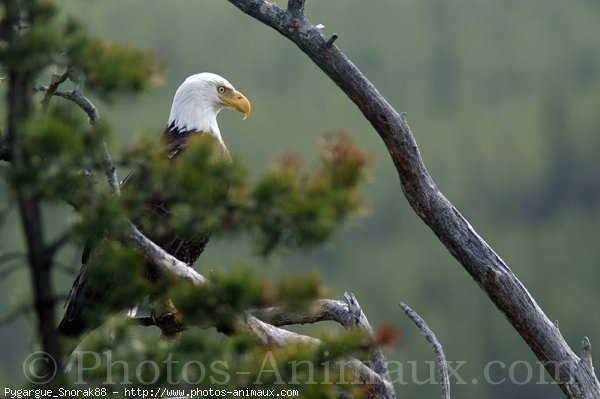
{"x":574,"y":375}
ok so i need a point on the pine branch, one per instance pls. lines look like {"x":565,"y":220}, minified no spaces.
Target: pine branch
{"x":377,"y":378}
{"x":264,"y":324}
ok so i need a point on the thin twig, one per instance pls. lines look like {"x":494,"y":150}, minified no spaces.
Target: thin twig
{"x":15,"y":314}
{"x":331,"y":40}
{"x":437,"y":348}
{"x":586,"y":353}
{"x":64,"y":268}
{"x":296,"y":6}
{"x":8,"y":270}
{"x":55,"y":82}
{"x":57,"y":244}
{"x":110,"y":171}
{"x":9,"y":256}
{"x":78,"y":98}
{"x":24,"y":309}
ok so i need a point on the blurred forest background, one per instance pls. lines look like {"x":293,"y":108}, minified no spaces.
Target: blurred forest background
{"x":503,"y":99}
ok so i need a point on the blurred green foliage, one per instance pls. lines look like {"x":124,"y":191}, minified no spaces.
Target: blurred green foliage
{"x":286,"y":206}
{"x":291,"y":207}
{"x":207,"y":361}
{"x":503,"y":99}
{"x":108,"y":67}
{"x":198,"y":192}
{"x":62,"y":146}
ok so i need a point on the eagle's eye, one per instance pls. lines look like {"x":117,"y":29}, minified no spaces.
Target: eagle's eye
{"x":221,"y":89}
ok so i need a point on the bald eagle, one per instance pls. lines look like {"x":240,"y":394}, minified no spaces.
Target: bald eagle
{"x":194,"y":111}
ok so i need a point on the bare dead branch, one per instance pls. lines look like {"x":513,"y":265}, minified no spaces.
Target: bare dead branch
{"x":8,"y":270}
{"x":586,"y":353}
{"x":78,"y":98}
{"x":376,"y":376}
{"x":437,"y":348}
{"x":55,"y":82}
{"x":296,"y":6}
{"x":348,"y":313}
{"x":483,"y":264}
{"x":359,"y":319}
{"x":378,"y":383}
{"x":270,"y":335}
{"x":163,"y":260}
{"x":331,"y":40}
{"x":110,"y":171}
{"x":58,"y":243}
{"x":321,"y":310}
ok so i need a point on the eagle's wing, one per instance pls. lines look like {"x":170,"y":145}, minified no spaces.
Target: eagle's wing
{"x":86,"y":298}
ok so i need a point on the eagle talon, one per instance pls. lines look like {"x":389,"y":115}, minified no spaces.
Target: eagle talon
{"x":169,"y":322}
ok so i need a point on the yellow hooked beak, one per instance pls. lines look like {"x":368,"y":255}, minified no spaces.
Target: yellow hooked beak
{"x":239,"y":102}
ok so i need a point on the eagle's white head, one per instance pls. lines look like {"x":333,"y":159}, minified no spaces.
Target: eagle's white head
{"x":198,"y":101}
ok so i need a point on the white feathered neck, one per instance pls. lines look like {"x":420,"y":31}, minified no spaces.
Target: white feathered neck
{"x":196,"y":105}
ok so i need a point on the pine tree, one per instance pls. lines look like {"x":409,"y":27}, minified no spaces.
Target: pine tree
{"x":54,"y":150}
